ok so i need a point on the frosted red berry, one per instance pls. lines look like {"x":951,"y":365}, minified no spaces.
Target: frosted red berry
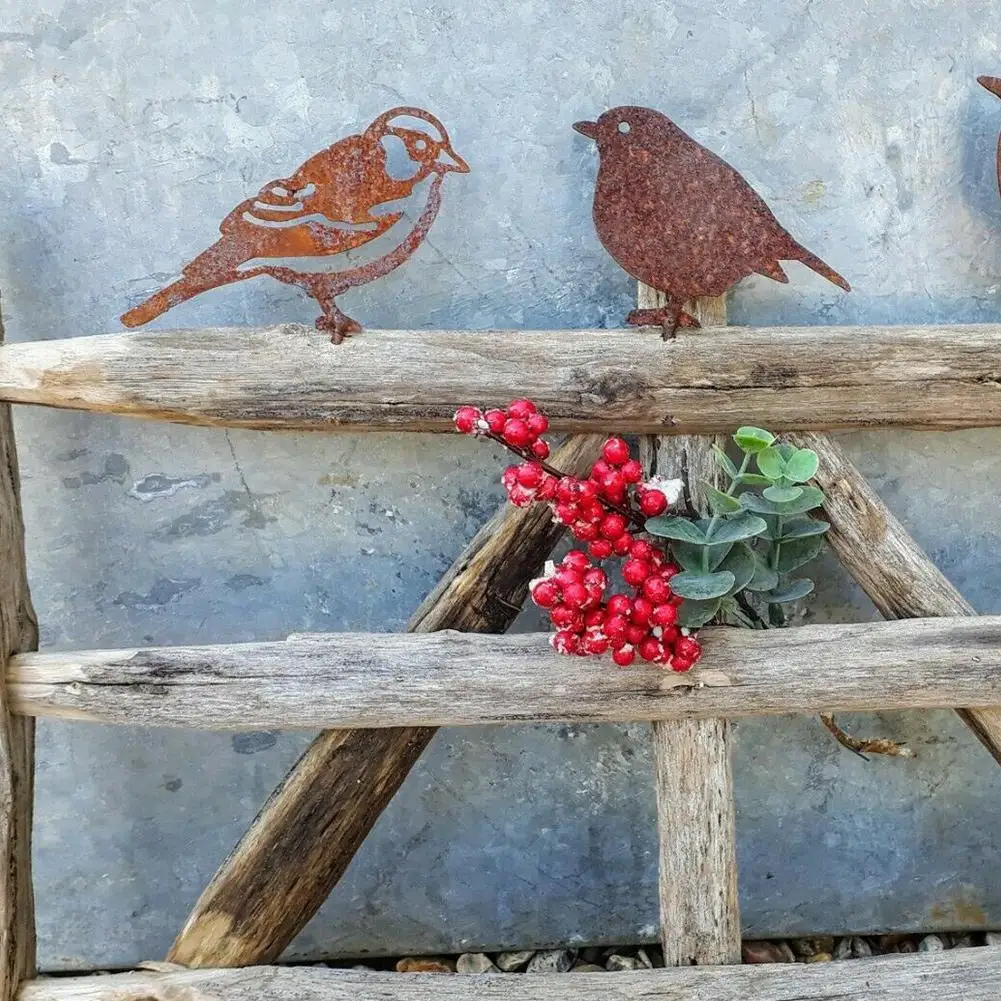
{"x":546,"y":593}
{"x":664,"y":615}
{"x":613,"y":525}
{"x":619,"y":604}
{"x":632,"y":471}
{"x":522,"y":409}
{"x":496,"y":420}
{"x":653,"y":503}
{"x":540,"y":449}
{"x":530,"y":474}
{"x":537,"y":423}
{"x":656,"y":589}
{"x":577,"y":560}
{"x":615,"y":451}
{"x":688,"y":648}
{"x":516,"y":433}
{"x":624,"y":656}
{"x":467,"y":418}
{"x":634,"y":571}
{"x":600,"y":549}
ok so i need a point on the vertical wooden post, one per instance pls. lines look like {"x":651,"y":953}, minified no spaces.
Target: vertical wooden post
{"x":697,"y":878}
{"x":18,"y":633}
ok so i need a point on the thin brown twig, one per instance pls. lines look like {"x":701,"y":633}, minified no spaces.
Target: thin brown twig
{"x":872,"y":745}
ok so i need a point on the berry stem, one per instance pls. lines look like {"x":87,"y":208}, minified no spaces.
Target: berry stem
{"x":637,"y":519}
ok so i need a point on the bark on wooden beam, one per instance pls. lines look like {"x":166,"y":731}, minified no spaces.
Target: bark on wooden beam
{"x":459,"y":679}
{"x":956,"y":975}
{"x":18,"y":631}
{"x":888,"y":564}
{"x":697,"y":870}
{"x":585,"y":380}
{"x":304,"y":838}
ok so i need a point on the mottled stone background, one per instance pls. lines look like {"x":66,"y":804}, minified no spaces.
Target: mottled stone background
{"x":130,"y":129}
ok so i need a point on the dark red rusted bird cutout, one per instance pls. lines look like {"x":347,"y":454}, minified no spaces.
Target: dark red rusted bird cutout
{"x":993,"y":84}
{"x":678,"y":218}
{"x":306,"y":230}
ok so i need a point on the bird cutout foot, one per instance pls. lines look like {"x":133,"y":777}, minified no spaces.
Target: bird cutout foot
{"x":669,"y":318}
{"x":339,"y":325}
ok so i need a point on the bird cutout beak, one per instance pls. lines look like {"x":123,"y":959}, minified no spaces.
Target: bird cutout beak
{"x":448,"y":159}
{"x":589,"y":129}
{"x":991,"y":83}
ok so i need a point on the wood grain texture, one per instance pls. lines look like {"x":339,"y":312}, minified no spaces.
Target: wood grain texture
{"x":697,"y":872}
{"x":304,"y":838}
{"x":585,"y":380}
{"x":459,"y":679}
{"x":18,"y":632}
{"x":955,"y":975}
{"x":888,"y":564}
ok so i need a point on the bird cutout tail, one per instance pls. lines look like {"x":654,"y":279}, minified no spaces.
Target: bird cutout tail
{"x":173,"y":295}
{"x":814,"y":263}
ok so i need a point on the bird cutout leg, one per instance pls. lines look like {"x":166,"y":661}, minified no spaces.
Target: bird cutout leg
{"x":323,"y":288}
{"x":669,"y":317}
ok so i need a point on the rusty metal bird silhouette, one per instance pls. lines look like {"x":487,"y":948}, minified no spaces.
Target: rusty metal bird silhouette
{"x":309,"y":229}
{"x":680,"y":219}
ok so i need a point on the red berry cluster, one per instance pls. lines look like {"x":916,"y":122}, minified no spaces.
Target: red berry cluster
{"x":643,"y":623}
{"x":606,"y":511}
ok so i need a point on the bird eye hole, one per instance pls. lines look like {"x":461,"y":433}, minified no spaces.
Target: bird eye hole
{"x":421,"y":145}
{"x":623,"y":127}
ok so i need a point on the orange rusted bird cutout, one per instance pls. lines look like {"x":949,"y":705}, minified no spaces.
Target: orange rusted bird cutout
{"x":678,"y":218}
{"x":347,"y":216}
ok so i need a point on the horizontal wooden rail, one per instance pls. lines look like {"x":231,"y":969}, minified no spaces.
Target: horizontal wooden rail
{"x":587,"y":380}
{"x":316,"y":681}
{"x":956,"y":975}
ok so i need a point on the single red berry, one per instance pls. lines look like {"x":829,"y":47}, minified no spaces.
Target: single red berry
{"x":681,"y":664}
{"x":656,"y":589}
{"x":663,"y":615}
{"x":652,"y":503}
{"x":642,"y":610}
{"x":636,"y":634}
{"x":592,"y":510}
{"x":624,"y":656}
{"x":520,"y":496}
{"x":613,"y":485}
{"x":594,"y":595}
{"x":632,"y":471}
{"x":566,"y":641}
{"x":587,"y":491}
{"x":564,"y":617}
{"x":613,"y":525}
{"x":566,"y":490}
{"x":594,"y":618}
{"x":510,"y":476}
{"x":595,"y":644}
{"x":546,"y":593}
{"x":600,"y":470}
{"x":540,"y":449}
{"x":566,"y":514}
{"x":516,"y":433}
{"x":522,"y":409}
{"x":668,"y":634}
{"x":688,"y":647}
{"x":575,"y":595}
{"x":584,"y":531}
{"x":576,"y":559}
{"x":616,"y":626}
{"x":496,"y":420}
{"x":596,"y":576}
{"x":651,"y":648}
{"x":547,"y":488}
{"x":621,"y":544}
{"x":641,"y":550}
{"x":615,"y":451}
{"x":620,"y":604}
{"x":634,"y":572}
{"x":466,"y":419}
{"x":537,"y":423}
{"x":600,"y":549}
{"x":530,"y":474}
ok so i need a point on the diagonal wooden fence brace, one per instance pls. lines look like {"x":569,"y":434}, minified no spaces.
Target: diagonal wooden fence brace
{"x":18,"y":632}
{"x":305,"y":836}
{"x":888,"y":564}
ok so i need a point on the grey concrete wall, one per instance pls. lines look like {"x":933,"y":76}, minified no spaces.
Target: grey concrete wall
{"x":130,"y":129}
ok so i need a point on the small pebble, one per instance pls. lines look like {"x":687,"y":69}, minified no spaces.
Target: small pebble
{"x":588,"y":968}
{"x":852,"y":947}
{"x":616,"y":963}
{"x":475,"y":962}
{"x":511,"y":961}
{"x":819,"y":957}
{"x":551,"y":961}
{"x":931,"y":943}
{"x":644,"y":960}
{"x":806,"y":947}
{"x":425,"y":964}
{"x":767,"y":952}
{"x":962,"y":941}
{"x":992,"y":938}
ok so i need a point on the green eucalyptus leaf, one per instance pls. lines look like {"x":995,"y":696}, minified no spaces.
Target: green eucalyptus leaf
{"x":810,"y":498}
{"x":720,"y":502}
{"x":799,"y":551}
{"x":782,"y":495}
{"x":687,"y":555}
{"x":800,"y":528}
{"x":803,"y":465}
{"x":764,"y":579}
{"x":752,"y":439}
{"x":741,"y":563}
{"x":792,"y":591}
{"x":702,"y":586}
{"x":745,"y":526}
{"x":787,"y":451}
{"x":771,"y":463}
{"x":676,"y":528}
{"x":725,"y":462}
{"x":754,"y":480}
{"x":697,"y":613}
